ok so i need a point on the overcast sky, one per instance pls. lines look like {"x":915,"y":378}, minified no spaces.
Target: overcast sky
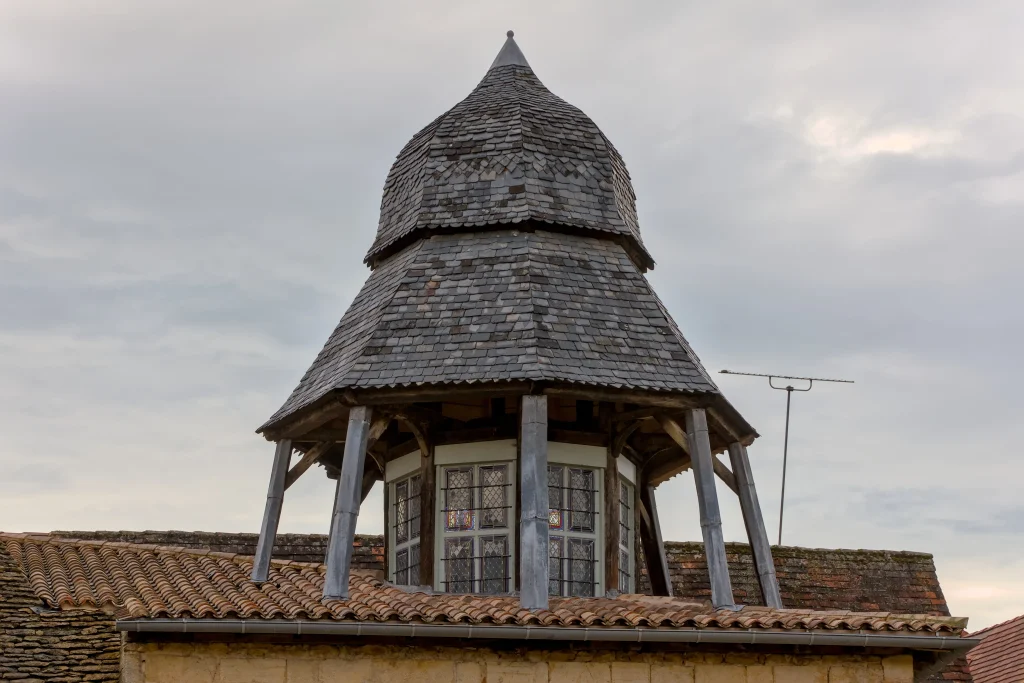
{"x":187,"y":190}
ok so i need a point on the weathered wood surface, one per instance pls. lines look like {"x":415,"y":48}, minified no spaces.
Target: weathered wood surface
{"x":308,"y":459}
{"x":653,"y":543}
{"x":611,"y":524}
{"x":346,"y":504}
{"x":723,"y":473}
{"x":533,"y":525}
{"x":427,"y":507}
{"x":754,"y":522}
{"x":707,"y":504}
{"x":272,"y":511}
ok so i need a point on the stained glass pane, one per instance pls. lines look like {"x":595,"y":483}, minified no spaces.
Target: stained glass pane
{"x":494,"y":552}
{"x":414,"y":507}
{"x":623,"y":572}
{"x":493,"y":497}
{"x":414,"y":564}
{"x":401,"y":512}
{"x":458,"y":558}
{"x":581,"y":499}
{"x":625,"y":514}
{"x":581,"y":567}
{"x":556,"y":544}
{"x":460,"y":514}
{"x":555,"y":485}
{"x":402,"y":568}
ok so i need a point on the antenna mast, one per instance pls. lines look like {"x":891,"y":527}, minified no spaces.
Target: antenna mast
{"x":789,"y":389}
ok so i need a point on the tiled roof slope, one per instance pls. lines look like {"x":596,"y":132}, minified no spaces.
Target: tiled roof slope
{"x":810,"y":578}
{"x":1000,"y":656}
{"x":505,"y":305}
{"x":38,"y":644}
{"x":138,"y":581}
{"x":509,"y":152}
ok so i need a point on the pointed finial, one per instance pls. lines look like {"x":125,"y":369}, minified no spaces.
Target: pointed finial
{"x":510,"y":54}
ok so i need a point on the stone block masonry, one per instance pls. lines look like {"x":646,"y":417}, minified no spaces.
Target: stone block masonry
{"x":278,"y":663}
{"x":44,"y":645}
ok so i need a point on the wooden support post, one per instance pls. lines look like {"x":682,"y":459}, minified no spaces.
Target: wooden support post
{"x":427,"y":506}
{"x":272,"y":512}
{"x":346,"y":504}
{"x":754,"y":522}
{"x":653,"y":544}
{"x":533,"y":525}
{"x":707,"y":504}
{"x":611,"y":522}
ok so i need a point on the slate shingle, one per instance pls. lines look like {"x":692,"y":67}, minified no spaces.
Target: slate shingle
{"x":505,"y":305}
{"x":511,"y":151}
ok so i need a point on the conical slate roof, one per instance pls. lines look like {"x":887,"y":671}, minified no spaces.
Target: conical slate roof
{"x":510,"y":152}
{"x":508,"y":249}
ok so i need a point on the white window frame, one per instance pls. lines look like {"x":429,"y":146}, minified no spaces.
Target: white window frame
{"x":474,"y":455}
{"x":627,"y":474}
{"x":576,"y":456}
{"x":406,"y":475}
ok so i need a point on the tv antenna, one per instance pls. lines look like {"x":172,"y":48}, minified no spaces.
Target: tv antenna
{"x":789,"y":389}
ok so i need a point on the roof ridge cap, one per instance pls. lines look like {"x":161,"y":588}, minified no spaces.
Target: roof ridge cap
{"x":153,"y":547}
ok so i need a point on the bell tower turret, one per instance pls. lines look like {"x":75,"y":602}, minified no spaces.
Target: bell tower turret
{"x":509,"y":374}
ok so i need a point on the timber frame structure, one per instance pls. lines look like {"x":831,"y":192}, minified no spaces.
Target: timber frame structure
{"x":507,"y":302}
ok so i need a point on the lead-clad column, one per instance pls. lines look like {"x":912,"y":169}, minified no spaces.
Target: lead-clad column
{"x":272,"y":512}
{"x":754,"y":523}
{"x":707,"y":504}
{"x":346,"y":504}
{"x":533,"y":524}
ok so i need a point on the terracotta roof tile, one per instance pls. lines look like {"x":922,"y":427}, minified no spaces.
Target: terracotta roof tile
{"x":150,"y":581}
{"x":1000,"y":656}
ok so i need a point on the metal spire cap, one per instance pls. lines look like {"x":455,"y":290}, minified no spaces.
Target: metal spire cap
{"x":510,"y":54}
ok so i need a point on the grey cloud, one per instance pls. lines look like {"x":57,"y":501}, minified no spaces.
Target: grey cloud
{"x":187,"y":191}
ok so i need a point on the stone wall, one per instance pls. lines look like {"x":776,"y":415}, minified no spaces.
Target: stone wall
{"x":38,"y":644}
{"x":246,"y":663}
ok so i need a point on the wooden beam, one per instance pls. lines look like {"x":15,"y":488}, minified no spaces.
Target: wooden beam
{"x":754,"y":523}
{"x":724,"y":474}
{"x":272,"y":511}
{"x":313,"y":455}
{"x":707,"y":504}
{"x":430,"y":394}
{"x":622,"y":435}
{"x":641,"y":398}
{"x":417,"y":431}
{"x":370,"y":477}
{"x":428,"y":474}
{"x":296,"y":427}
{"x":346,"y":505}
{"x":309,"y":458}
{"x":653,"y":544}
{"x":533,"y":524}
{"x":630,"y":415}
{"x":611,"y":524}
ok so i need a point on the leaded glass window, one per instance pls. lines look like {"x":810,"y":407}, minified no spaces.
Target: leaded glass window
{"x":476,"y":507}
{"x":405,"y":530}
{"x":573,"y":552}
{"x":626,"y":532}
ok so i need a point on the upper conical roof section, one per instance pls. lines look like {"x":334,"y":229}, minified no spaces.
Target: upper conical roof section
{"x":510,"y":152}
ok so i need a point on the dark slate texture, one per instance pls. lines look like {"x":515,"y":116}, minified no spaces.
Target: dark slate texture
{"x":505,"y":305}
{"x":510,"y":152}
